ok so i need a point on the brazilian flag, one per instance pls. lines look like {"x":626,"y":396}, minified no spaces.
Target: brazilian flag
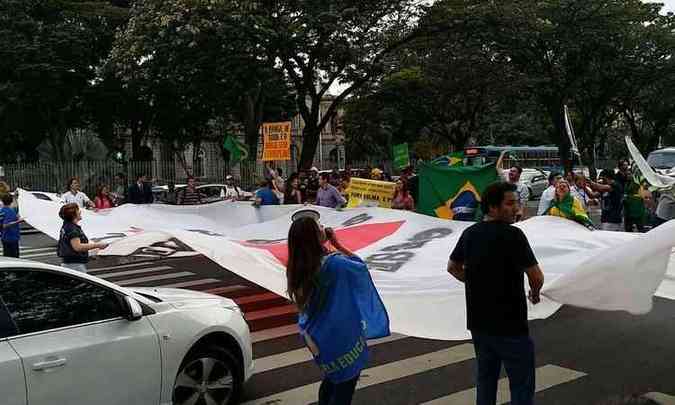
{"x":455,"y":159}
{"x":453,"y":192}
{"x":238,"y":150}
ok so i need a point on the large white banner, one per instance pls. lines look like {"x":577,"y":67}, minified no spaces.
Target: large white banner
{"x":407,"y":255}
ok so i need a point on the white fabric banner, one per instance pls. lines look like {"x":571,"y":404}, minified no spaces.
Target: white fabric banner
{"x":407,"y":254}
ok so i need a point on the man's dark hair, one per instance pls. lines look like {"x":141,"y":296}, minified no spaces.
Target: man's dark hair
{"x":139,"y":175}
{"x":520,"y":169}
{"x":68,"y":212}
{"x":325,"y":176}
{"x":608,"y":174}
{"x":279,"y":171}
{"x":190,"y":178}
{"x":7,"y":199}
{"x":493,"y":196}
{"x":552,"y":176}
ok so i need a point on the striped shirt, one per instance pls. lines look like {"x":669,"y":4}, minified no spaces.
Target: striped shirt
{"x":189,"y":197}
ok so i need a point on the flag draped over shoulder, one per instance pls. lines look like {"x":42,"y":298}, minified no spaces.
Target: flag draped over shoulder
{"x":453,"y":192}
{"x":570,"y":208}
{"x":344,"y":312}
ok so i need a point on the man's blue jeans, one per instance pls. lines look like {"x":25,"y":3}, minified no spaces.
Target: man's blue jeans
{"x":337,"y":394}
{"x":517,"y":354}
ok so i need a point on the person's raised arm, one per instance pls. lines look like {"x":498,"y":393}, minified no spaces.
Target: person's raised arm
{"x":603,"y":188}
{"x":500,"y":163}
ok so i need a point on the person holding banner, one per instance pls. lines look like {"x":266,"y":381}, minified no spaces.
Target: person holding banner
{"x":490,"y":258}
{"x":74,"y":247}
{"x":340,"y":309}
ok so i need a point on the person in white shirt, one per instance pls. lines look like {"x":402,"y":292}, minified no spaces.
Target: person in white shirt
{"x":548,"y":195}
{"x":74,"y":195}
{"x":231,"y":191}
{"x":512,"y":176}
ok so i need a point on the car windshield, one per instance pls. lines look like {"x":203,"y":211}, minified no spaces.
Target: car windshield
{"x":661,"y":160}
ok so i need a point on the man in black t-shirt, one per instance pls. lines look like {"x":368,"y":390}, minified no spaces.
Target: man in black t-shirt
{"x":491,"y":258}
{"x":611,"y":217}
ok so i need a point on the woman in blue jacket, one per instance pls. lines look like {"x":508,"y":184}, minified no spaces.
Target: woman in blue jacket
{"x":339,"y":306}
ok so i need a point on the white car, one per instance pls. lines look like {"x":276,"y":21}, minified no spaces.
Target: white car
{"x":71,"y":338}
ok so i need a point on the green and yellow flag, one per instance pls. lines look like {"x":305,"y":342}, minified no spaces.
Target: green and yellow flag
{"x":238,"y":150}
{"x":453,"y":192}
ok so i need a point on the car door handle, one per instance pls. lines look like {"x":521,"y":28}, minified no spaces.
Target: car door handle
{"x":46,"y":365}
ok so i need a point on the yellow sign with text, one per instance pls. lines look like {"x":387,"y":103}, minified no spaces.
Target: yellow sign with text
{"x":370,"y":193}
{"x":276,"y":141}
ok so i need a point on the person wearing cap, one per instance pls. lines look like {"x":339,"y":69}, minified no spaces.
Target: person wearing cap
{"x":231,"y":192}
{"x":376,"y":174}
{"x":338,"y":304}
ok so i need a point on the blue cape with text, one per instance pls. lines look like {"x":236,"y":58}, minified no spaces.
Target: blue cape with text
{"x":345,"y":311}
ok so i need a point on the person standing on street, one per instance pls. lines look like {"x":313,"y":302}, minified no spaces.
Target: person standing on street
{"x":293,"y":194}
{"x":140,"y":192}
{"x":231,"y":192}
{"x":265,"y":195}
{"x":9,"y":227}
{"x":119,"y":193}
{"x":102,"y":201}
{"x":491,"y":258}
{"x":548,"y":195}
{"x":339,"y":306}
{"x":328,"y":195}
{"x":74,"y":195}
{"x":611,"y":218}
{"x":74,"y":247}
{"x":189,"y":195}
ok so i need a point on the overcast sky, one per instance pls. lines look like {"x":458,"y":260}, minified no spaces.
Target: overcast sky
{"x":669,"y":4}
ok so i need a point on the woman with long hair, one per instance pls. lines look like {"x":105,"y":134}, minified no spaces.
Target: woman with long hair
{"x":402,"y":198}
{"x":339,"y":306}
{"x":293,"y":194}
{"x":74,"y":246}
{"x":102,"y":200}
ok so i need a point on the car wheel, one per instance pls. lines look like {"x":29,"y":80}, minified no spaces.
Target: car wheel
{"x":208,"y":376}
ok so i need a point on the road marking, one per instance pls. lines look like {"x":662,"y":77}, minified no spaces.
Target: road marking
{"x":661,"y":398}
{"x":269,"y":334}
{"x":302,"y":355}
{"x":132,"y":272}
{"x":154,"y":278}
{"x":547,"y":376}
{"x":29,"y":256}
{"x":121,"y":266}
{"x":377,"y":375}
{"x":192,"y":283}
{"x":32,"y":250}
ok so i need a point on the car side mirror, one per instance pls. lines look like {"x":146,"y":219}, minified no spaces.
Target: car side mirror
{"x":132,"y":309}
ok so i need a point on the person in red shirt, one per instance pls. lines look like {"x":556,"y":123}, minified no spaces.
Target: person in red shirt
{"x":103,"y":200}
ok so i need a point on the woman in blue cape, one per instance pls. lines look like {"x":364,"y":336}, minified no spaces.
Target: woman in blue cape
{"x":339,"y":306}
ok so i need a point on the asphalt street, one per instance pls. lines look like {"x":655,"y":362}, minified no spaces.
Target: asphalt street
{"x":582,"y":356}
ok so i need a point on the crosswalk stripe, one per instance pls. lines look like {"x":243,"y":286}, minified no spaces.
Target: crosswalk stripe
{"x":546,"y":377}
{"x":121,"y":266}
{"x":132,"y":272}
{"x":661,"y":398}
{"x":153,"y":278}
{"x":274,"y":333}
{"x":29,"y":256}
{"x":27,"y":249}
{"x":302,"y":355}
{"x":191,"y":283}
{"x":378,"y":375}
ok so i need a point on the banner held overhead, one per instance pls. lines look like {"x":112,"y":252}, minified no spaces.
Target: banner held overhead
{"x":370,"y":193}
{"x":276,"y":141}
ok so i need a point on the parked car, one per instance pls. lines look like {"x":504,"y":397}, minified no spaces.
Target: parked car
{"x":72,"y":338}
{"x":210,"y":192}
{"x":663,"y":161}
{"x":536,"y":181}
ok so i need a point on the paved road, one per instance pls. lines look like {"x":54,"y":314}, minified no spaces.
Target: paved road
{"x":583,"y":357}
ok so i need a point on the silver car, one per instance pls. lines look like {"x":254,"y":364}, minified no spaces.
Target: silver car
{"x":536,"y":181}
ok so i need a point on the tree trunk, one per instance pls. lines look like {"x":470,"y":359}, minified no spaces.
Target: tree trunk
{"x":252,"y":121}
{"x":310,"y":140}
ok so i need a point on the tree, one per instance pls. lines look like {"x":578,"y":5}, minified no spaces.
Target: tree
{"x":322,"y":43}
{"x":188,"y":61}
{"x":48,"y":56}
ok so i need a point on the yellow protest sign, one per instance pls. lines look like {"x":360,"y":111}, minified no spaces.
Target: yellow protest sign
{"x":276,"y":141}
{"x":370,"y":193}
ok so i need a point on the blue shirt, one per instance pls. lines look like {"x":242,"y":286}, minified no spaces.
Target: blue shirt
{"x":329,"y":197}
{"x":267,"y":196}
{"x":13,"y":233}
